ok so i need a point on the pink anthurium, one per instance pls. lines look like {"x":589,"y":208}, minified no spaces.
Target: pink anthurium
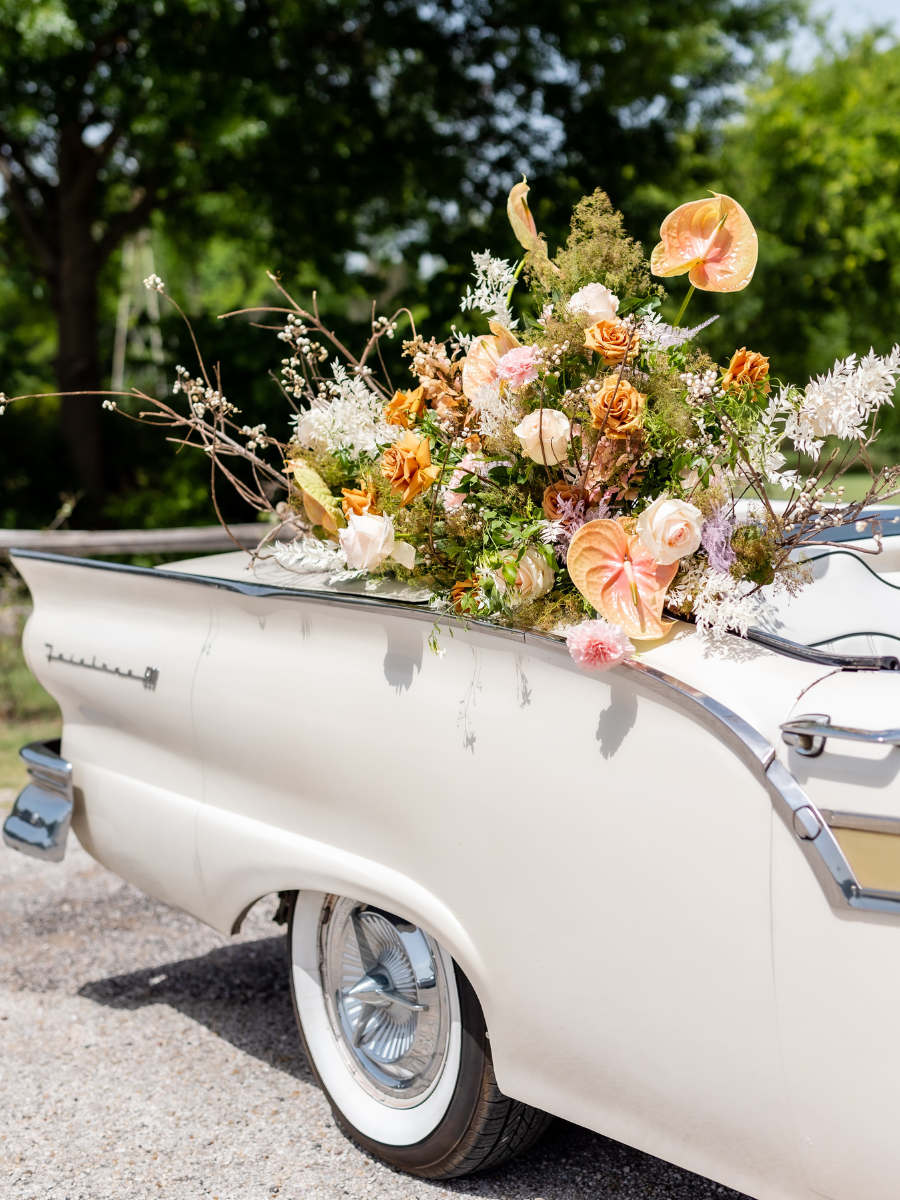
{"x":619,"y":576}
{"x":712,"y":239}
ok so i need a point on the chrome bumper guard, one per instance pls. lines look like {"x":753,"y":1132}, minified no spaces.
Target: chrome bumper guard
{"x":39,"y":822}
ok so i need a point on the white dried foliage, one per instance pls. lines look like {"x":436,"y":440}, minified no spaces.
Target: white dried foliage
{"x":310,"y":556}
{"x":493,"y":279}
{"x":346,"y":418}
{"x":763,"y":445}
{"x":498,"y":413}
{"x":655,"y":334}
{"x":723,"y":604}
{"x":840,"y":403}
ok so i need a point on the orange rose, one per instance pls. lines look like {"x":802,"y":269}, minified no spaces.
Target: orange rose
{"x":747,"y":367}
{"x":555,"y":493}
{"x":612,"y":340}
{"x":357,"y":500}
{"x":407,"y":464}
{"x":405,"y":408}
{"x":462,"y":590}
{"x":620,"y":416}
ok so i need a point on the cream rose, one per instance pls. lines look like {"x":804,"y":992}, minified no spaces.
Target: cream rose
{"x":670,"y":529}
{"x":534,"y":576}
{"x":544,"y":436}
{"x":596,"y":302}
{"x":369,"y":539}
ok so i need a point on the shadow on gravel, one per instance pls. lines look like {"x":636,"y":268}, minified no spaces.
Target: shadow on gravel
{"x":238,"y":992}
{"x":241,"y":993}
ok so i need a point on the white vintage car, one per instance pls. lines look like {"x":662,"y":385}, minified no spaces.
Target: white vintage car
{"x":662,"y":901}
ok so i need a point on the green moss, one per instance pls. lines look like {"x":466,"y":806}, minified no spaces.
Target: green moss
{"x":597,"y":251}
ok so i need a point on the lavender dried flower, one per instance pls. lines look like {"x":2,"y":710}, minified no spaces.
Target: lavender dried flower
{"x":716,"y":539}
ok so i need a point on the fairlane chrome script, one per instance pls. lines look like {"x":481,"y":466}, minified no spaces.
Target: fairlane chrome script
{"x":148,"y":679}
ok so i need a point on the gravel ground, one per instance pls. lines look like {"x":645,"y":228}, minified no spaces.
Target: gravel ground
{"x":143,"y":1055}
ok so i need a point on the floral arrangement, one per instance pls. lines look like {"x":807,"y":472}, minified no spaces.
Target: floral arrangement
{"x":587,"y":472}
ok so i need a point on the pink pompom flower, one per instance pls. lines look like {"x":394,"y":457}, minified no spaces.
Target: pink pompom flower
{"x":519,"y":366}
{"x":597,"y":645}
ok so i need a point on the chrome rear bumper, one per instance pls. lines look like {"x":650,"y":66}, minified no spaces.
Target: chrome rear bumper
{"x":39,"y":822}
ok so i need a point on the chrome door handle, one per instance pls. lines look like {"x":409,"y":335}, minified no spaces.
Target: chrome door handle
{"x":808,"y":733}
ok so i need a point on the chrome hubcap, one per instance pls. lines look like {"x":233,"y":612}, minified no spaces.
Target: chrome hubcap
{"x":387,"y":1000}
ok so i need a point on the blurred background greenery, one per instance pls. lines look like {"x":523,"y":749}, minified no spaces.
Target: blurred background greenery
{"x":364,"y":148}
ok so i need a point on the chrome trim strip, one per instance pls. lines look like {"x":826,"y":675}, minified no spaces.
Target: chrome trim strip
{"x":867,"y":822}
{"x":821,"y":849}
{"x":847,"y":662}
{"x":312,"y":595}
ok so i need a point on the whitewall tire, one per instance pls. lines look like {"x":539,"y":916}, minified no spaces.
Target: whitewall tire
{"x":396,"y":1038}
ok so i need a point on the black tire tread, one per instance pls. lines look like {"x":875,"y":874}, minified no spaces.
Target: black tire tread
{"x":500,"y":1130}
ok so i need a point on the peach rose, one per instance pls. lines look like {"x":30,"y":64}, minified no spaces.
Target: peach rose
{"x":617,"y":410}
{"x":407,"y":464}
{"x":670,"y":529}
{"x":405,"y":408}
{"x":534,"y":577}
{"x":612,"y":340}
{"x":544,"y":436}
{"x":747,"y":367}
{"x":596,"y":302}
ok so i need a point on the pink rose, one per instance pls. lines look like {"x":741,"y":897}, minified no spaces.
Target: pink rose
{"x":597,"y":645}
{"x":519,"y":366}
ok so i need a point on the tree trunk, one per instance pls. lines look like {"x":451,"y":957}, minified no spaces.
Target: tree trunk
{"x":75,"y":302}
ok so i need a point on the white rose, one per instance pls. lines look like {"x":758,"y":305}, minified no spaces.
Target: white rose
{"x":596,"y":301}
{"x":369,"y":539}
{"x":670,"y":529}
{"x":534,"y":576}
{"x":548,"y":426}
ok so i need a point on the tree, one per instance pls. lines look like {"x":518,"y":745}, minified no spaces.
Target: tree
{"x":344,"y":123}
{"x":816,"y":163}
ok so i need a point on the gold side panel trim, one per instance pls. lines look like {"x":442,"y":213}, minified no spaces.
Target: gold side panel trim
{"x":873,"y":856}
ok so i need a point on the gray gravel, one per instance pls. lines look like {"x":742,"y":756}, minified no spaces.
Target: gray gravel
{"x":143,"y":1055}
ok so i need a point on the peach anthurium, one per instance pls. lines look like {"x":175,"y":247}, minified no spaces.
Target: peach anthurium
{"x":712,"y":239}
{"x":485,"y":352}
{"x":618,"y":575}
{"x":520,"y":217}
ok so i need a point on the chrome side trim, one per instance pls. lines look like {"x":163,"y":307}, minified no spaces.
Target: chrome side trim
{"x":824,"y":658}
{"x":418,"y":612}
{"x":864,"y":821}
{"x":39,"y":822}
{"x":790,"y":801}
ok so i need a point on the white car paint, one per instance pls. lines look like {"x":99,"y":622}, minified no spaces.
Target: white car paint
{"x":655,"y":956}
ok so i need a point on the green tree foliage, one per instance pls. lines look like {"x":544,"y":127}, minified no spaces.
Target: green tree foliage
{"x":815,"y":160}
{"x":314,"y":128}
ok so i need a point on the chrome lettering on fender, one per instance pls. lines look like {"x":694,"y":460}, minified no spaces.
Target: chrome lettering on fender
{"x":148,"y":679}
